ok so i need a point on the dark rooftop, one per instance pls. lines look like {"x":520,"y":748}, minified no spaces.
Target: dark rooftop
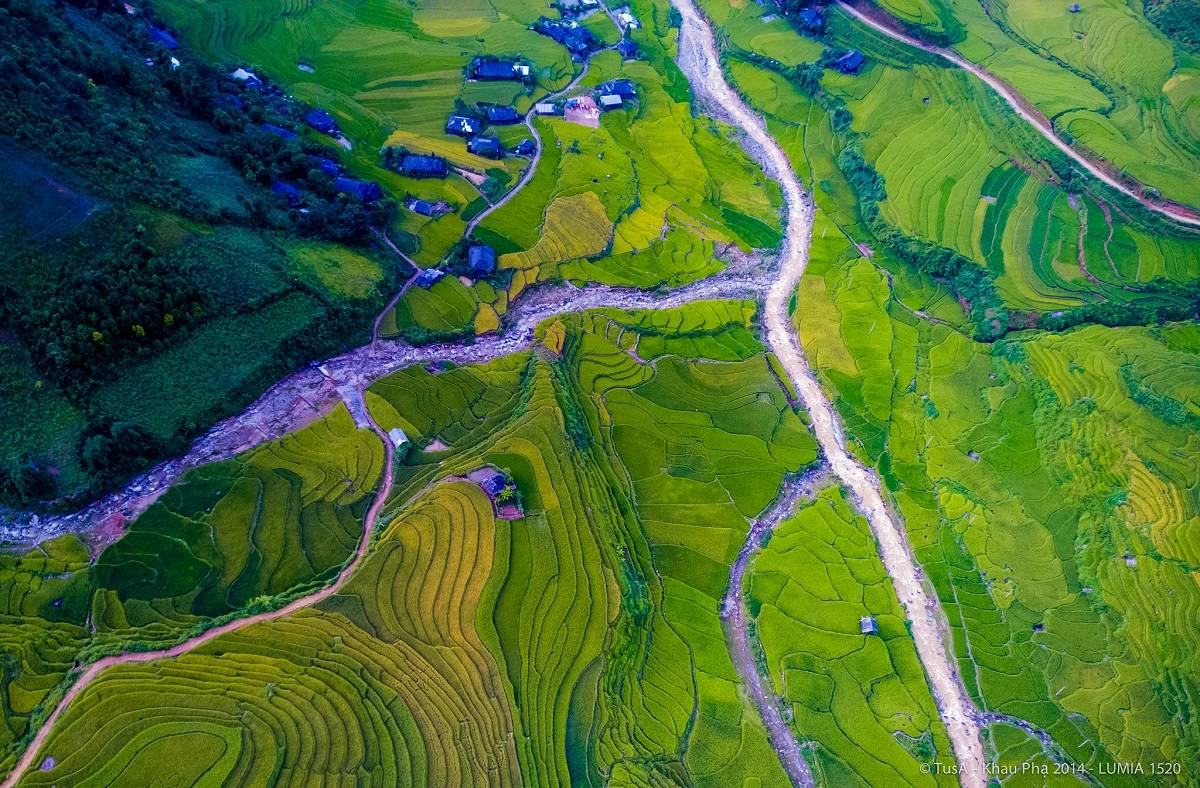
{"x":278,"y":131}
{"x":488,"y":147}
{"x":462,"y":125}
{"x":322,"y":121}
{"x":850,"y":63}
{"x":481,"y":260}
{"x":367,"y":191}
{"x":502,"y":116}
{"x":162,"y":37}
{"x":423,"y":166}
{"x":494,"y":69}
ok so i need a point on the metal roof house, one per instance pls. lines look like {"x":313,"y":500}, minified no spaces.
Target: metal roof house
{"x":547,"y":108}
{"x":427,"y":276}
{"x":367,"y":191}
{"x":493,"y":484}
{"x":867,"y":625}
{"x":501,"y":115}
{"x":481,"y":260}
{"x":423,"y":207}
{"x":162,"y":37}
{"x":278,"y":131}
{"x":850,"y":63}
{"x":810,"y":19}
{"x":621,"y":87}
{"x":611,"y":101}
{"x":463,"y":126}
{"x":292,"y":193}
{"x":322,"y":121}
{"x":325,"y":165}
{"x":577,"y":39}
{"x":488,"y":147}
{"x":250,"y":79}
{"x":416,"y":166}
{"x":492,"y":70}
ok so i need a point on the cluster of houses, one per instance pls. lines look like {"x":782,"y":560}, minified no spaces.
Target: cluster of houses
{"x":811,"y":21}
{"x":481,"y":263}
{"x":471,"y":127}
{"x":586,"y":109}
{"x":577,"y":39}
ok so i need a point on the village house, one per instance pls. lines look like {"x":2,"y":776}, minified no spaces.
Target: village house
{"x":481,"y":260}
{"x":625,"y":19}
{"x":423,"y":207}
{"x":427,"y":276}
{"x":290,"y":192}
{"x":278,"y":131}
{"x":810,"y":19}
{"x":577,"y":39}
{"x":322,"y":121}
{"x":487,"y":147}
{"x":495,"y":70}
{"x":525,"y":147}
{"x":248,"y":78}
{"x":463,"y":126}
{"x":620,"y":87}
{"x":415,"y":166}
{"x":367,"y":191}
{"x":627,"y":49}
{"x":850,"y":63}
{"x":162,"y":37}
{"x":502,"y":115}
{"x":325,"y":165}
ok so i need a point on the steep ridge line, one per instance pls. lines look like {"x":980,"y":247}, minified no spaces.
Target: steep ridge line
{"x":97,"y":668}
{"x":880,"y":21}
{"x":699,"y":60}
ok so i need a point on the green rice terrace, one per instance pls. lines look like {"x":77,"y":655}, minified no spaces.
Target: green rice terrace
{"x":690,"y":393}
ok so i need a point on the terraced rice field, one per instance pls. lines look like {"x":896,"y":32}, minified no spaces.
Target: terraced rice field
{"x":1048,"y":582}
{"x":860,"y":697}
{"x":1134,"y":100}
{"x":960,"y":172}
{"x":471,"y":649}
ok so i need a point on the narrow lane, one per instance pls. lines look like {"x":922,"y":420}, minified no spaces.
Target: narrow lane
{"x":699,"y":60}
{"x":878,"y":20}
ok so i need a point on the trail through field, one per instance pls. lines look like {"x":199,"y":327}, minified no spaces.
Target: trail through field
{"x":98,"y":667}
{"x":880,"y":21}
{"x":699,"y":60}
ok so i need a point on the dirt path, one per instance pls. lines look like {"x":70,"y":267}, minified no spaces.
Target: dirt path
{"x":699,"y":60}
{"x":98,"y":667}
{"x":880,"y":21}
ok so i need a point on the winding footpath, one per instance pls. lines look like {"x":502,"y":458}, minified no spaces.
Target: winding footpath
{"x":699,"y":60}
{"x":881,"y":22}
{"x":98,"y":667}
